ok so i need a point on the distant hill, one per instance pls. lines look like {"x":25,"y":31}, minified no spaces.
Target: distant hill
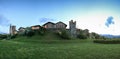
{"x":110,"y":36}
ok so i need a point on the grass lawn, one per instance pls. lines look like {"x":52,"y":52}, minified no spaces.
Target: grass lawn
{"x":24,"y":48}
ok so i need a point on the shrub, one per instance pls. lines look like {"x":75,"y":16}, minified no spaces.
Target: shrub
{"x":3,"y":36}
{"x":108,"y":41}
{"x":80,"y":36}
{"x":29,"y":33}
{"x":40,"y":31}
{"x":63,"y":34}
{"x":13,"y":36}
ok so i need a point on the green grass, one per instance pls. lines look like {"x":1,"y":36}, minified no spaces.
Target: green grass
{"x":47,"y":47}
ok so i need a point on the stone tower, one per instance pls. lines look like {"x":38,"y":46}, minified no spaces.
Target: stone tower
{"x":72,"y":27}
{"x":12,"y":29}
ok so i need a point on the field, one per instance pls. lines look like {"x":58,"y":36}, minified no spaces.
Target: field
{"x":29,"y":48}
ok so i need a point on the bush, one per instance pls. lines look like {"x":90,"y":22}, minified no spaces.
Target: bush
{"x":63,"y":34}
{"x":80,"y":36}
{"x":39,"y":32}
{"x":13,"y":36}
{"x":29,"y":33}
{"x":3,"y":36}
{"x":108,"y":41}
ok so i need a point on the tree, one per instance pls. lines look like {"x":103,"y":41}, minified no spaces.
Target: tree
{"x":95,"y":36}
{"x":63,"y":34}
{"x":83,"y":34}
{"x":29,"y":32}
{"x":3,"y":36}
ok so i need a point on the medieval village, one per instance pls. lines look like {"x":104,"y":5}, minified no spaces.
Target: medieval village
{"x":49,"y":26}
{"x":55,"y":41}
{"x":59,"y":29}
{"x":72,"y":32}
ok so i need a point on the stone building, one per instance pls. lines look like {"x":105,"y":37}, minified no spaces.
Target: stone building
{"x":35,"y":27}
{"x":13,"y":30}
{"x":60,"y":25}
{"x":21,"y":30}
{"x":49,"y":25}
{"x":72,"y":28}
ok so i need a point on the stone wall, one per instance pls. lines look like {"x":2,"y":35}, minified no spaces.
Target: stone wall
{"x":72,"y":27}
{"x":12,"y":29}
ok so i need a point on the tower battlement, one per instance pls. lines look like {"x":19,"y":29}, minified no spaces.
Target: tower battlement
{"x":72,"y":27}
{"x":12,"y":29}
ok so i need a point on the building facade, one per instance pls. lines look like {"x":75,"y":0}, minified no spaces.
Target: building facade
{"x":72,"y":28}
{"x":21,"y":30}
{"x":49,"y":25}
{"x":13,"y":30}
{"x":35,"y":27}
{"x":58,"y":25}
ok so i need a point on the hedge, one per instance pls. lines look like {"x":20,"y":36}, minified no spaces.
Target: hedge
{"x":108,"y":41}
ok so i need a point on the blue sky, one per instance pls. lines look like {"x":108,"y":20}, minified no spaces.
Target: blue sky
{"x":89,"y":14}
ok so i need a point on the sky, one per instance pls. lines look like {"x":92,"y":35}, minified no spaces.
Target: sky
{"x":100,"y":16}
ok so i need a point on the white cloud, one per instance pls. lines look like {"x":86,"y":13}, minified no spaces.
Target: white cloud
{"x":95,"y":22}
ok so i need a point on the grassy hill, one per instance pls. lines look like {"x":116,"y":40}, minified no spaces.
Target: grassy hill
{"x":52,"y":47}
